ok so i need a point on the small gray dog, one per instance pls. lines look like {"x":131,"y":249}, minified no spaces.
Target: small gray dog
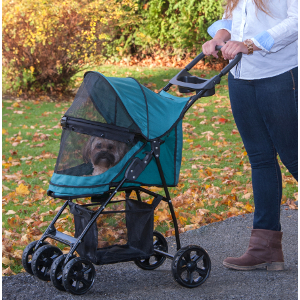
{"x":103,"y":153}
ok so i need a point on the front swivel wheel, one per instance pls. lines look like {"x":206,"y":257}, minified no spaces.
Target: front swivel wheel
{"x":28,"y":254}
{"x":191,"y":266}
{"x":42,"y":260}
{"x":57,"y":271}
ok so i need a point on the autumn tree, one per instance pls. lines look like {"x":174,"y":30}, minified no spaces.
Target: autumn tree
{"x":46,"y":42}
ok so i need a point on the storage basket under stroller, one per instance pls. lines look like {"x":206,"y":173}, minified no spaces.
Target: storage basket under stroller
{"x":136,"y":241}
{"x":119,"y":136}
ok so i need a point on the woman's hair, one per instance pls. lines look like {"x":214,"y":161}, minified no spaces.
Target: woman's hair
{"x":260,"y":4}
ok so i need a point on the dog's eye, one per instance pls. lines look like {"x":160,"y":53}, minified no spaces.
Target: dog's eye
{"x":110,"y":147}
{"x":98,"y":146}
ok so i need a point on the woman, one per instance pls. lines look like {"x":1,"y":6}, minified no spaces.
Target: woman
{"x":263,"y":91}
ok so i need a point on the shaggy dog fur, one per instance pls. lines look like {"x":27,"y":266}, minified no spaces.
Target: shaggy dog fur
{"x":103,"y":153}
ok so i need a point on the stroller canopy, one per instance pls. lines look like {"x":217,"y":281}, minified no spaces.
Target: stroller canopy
{"x":110,"y":122}
{"x":126,"y":103}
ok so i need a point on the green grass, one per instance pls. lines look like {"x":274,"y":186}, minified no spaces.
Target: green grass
{"x":215,"y":178}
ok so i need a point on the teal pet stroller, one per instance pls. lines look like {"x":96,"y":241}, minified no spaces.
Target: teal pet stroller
{"x":119,"y":136}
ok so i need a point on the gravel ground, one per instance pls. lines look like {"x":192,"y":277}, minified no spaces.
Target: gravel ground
{"x":222,"y":239}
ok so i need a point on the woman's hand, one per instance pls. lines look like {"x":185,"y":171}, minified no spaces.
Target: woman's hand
{"x":209,"y":48}
{"x":232,"y":48}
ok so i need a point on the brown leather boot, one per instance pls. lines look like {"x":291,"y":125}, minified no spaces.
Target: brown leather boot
{"x":264,"y":251}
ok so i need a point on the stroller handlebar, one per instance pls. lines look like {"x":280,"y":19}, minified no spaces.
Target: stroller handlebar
{"x":224,"y":71}
{"x":203,"y":87}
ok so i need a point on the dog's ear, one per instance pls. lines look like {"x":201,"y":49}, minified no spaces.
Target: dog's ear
{"x":87,"y":150}
{"x":123,"y":149}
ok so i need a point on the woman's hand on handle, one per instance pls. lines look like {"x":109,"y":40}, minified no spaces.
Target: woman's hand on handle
{"x":232,"y":48}
{"x":209,"y":48}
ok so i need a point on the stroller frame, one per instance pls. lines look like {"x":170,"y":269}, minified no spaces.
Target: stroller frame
{"x":133,"y":171}
{"x":64,"y":268}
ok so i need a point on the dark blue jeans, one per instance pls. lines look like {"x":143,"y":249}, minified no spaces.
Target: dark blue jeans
{"x":266,"y":114}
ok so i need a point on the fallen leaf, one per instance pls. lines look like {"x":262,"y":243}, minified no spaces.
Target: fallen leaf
{"x":222,"y":120}
{"x":247,"y":196}
{"x":22,"y":189}
{"x":202,"y":211}
{"x":7,"y":261}
{"x":5,"y":188}
{"x":249,"y":207}
{"x":43,"y":224}
{"x":8,"y":272}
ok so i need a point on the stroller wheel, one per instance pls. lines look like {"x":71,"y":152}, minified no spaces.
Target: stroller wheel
{"x":154,"y":261}
{"x":42,"y":260}
{"x":78,"y":275}
{"x":191,"y":266}
{"x":27,"y":256}
{"x":56,"y":272}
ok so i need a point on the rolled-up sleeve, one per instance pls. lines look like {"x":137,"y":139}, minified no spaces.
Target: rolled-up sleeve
{"x":281,"y":35}
{"x":218,"y":25}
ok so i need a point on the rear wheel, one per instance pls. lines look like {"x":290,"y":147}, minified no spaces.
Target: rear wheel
{"x":191,"y":266}
{"x":155,"y":260}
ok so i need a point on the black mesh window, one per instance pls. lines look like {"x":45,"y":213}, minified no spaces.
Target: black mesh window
{"x":97,"y":101}
{"x":85,"y":155}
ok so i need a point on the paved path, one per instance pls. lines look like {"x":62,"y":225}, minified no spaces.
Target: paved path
{"x":227,"y":238}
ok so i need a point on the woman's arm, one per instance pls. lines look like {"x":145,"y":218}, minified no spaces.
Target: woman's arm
{"x":271,"y":40}
{"x":282,"y":34}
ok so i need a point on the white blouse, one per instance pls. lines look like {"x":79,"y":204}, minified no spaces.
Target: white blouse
{"x":276,"y":34}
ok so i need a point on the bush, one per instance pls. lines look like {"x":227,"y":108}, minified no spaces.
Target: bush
{"x":177,"y":25}
{"x":46,"y":42}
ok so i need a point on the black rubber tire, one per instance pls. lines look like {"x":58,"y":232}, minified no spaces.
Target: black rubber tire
{"x":154,"y":261}
{"x":78,"y":276}
{"x":191,"y":266}
{"x":42,"y":260}
{"x":28,"y":254}
{"x":56,"y":271}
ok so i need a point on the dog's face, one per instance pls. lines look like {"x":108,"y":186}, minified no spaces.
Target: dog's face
{"x":103,"y":153}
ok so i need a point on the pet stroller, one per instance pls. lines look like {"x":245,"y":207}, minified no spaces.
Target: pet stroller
{"x":119,"y":136}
